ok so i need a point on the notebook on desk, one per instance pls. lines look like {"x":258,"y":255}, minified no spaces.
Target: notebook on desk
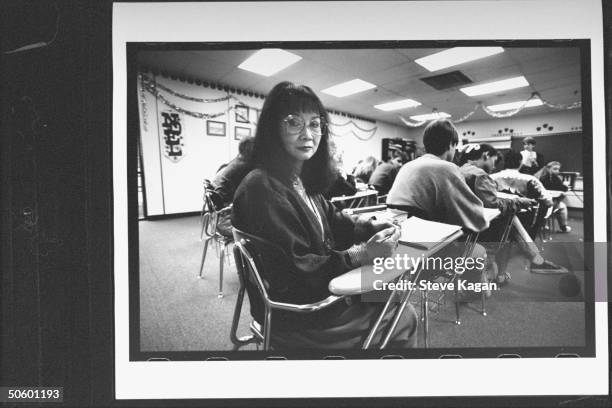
{"x":420,"y":233}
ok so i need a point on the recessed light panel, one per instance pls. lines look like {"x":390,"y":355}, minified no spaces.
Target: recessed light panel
{"x":496,"y":86}
{"x":430,"y":116}
{"x":456,"y":56}
{"x":396,"y":105}
{"x":269,"y":61}
{"x":348,"y":88}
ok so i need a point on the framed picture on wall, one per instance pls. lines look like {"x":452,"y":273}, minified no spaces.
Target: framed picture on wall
{"x":242,"y":113}
{"x":240,"y":132}
{"x":214,"y":128}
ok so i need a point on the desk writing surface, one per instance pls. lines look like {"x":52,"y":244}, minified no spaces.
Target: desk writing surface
{"x":506,"y":195}
{"x":555,"y":193}
{"x":358,"y":194}
{"x":361,"y":280}
{"x":491,"y":213}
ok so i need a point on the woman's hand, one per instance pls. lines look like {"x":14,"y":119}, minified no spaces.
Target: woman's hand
{"x":379,"y":225}
{"x":383,"y":243}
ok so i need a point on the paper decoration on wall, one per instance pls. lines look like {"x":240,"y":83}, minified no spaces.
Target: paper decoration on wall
{"x":143,"y":109}
{"x":485,"y":109}
{"x":353,"y":128}
{"x":171,"y":128}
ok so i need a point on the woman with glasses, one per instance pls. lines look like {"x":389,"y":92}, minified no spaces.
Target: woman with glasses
{"x":281,"y":202}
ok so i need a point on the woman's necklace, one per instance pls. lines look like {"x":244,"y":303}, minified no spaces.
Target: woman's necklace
{"x":298,"y":186}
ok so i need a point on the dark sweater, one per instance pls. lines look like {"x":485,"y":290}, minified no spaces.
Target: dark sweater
{"x":383,"y":177}
{"x":553,"y":182}
{"x":271,"y":209}
{"x":228,"y":179}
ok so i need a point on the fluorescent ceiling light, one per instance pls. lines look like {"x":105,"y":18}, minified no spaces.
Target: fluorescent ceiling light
{"x":348,"y":88}
{"x":515,"y":105}
{"x":430,"y":116}
{"x":497,"y":86}
{"x":404,"y":103}
{"x":269,"y":61}
{"x":456,"y":56}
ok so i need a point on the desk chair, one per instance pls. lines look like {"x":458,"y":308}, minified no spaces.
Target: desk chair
{"x":204,"y":214}
{"x":569,"y":178}
{"x":215,"y":228}
{"x":252,"y":255}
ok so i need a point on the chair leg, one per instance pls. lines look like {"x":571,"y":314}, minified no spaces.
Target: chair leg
{"x":221,"y":262}
{"x":206,"y":241}
{"x":203,"y":221}
{"x":239,"y":342}
{"x":425,"y":319}
{"x":267,"y":329}
{"x":483,"y":296}
{"x":458,"y":319}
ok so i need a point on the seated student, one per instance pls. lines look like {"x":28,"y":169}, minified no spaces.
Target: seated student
{"x":478,"y":160}
{"x":280,"y":201}
{"x":549,"y":176}
{"x":434,"y":187}
{"x":384,"y":175}
{"x":228,"y":177}
{"x":343,"y":184}
{"x":531,"y":161}
{"x":510,"y":180}
{"x":364,"y":169}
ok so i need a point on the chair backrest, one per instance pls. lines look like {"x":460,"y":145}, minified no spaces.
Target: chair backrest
{"x":569,"y":178}
{"x":256,"y":260}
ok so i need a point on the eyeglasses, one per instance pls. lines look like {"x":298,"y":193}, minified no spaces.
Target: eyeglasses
{"x":296,"y":124}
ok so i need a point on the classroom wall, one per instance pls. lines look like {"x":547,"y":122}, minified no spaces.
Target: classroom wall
{"x":560,"y":140}
{"x":175,"y":186}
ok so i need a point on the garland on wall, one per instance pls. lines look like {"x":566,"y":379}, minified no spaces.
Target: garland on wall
{"x":153,"y":87}
{"x":494,"y":114}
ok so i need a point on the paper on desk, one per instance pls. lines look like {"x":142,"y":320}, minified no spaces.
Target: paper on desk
{"x":421,"y":233}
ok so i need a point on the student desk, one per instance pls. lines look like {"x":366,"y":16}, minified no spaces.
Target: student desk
{"x":362,"y":280}
{"x":360,"y":199}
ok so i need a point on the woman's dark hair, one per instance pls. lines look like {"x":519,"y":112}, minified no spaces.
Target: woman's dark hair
{"x":474,"y":151}
{"x":439,"y":135}
{"x":268,"y":153}
{"x":512,"y":159}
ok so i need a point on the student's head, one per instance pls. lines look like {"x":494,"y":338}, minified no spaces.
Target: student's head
{"x":552,"y":168}
{"x":529,"y":143}
{"x":365,"y":168}
{"x":480,"y":155}
{"x":512,"y":159}
{"x":292,"y":133}
{"x":440,"y":139}
{"x":245,"y":147}
{"x":396,"y":155}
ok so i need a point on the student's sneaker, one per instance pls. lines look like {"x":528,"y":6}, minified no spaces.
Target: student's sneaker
{"x":565,"y":228}
{"x":548,"y":267}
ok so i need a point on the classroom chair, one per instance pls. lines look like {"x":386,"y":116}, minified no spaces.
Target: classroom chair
{"x":252,"y":255}
{"x":216,"y":227}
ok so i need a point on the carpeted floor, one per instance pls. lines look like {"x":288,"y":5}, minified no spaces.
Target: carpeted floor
{"x":180,"y":312}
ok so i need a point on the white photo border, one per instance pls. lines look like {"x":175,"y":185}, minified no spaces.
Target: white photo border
{"x":345,"y":21}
